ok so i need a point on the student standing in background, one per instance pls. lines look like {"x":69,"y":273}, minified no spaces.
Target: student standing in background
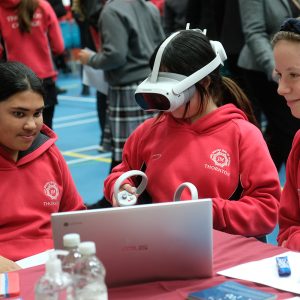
{"x":30,"y":32}
{"x":174,"y":16}
{"x":261,"y":19}
{"x":130,"y":31}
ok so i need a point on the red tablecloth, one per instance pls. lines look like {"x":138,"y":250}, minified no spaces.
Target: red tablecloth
{"x":229,"y":250}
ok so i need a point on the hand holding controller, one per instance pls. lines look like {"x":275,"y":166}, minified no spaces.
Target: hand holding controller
{"x":124,"y":198}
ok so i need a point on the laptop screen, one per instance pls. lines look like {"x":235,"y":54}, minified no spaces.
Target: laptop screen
{"x":142,"y":243}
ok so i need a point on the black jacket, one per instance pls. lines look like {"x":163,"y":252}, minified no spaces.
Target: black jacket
{"x":58,"y":7}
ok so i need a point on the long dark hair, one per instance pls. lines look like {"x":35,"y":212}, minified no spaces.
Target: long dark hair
{"x":15,"y":77}
{"x":26,"y":10}
{"x":188,"y":52}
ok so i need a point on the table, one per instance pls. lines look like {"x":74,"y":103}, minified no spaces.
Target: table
{"x":229,"y":250}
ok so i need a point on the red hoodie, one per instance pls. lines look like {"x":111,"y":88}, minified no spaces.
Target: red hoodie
{"x":289,"y":212}
{"x":32,"y":188}
{"x":34,"y":48}
{"x":214,"y":153}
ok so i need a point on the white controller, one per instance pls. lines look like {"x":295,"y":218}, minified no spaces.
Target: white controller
{"x":190,"y":186}
{"x":124,"y":198}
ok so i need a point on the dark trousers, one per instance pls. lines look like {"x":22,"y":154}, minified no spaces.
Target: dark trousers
{"x":50,"y":101}
{"x":281,"y":125}
{"x":48,"y":114}
{"x":101,"y":110}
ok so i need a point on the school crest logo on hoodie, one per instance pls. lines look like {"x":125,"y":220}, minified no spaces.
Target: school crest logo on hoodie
{"x":221,"y":158}
{"x":51,"y":190}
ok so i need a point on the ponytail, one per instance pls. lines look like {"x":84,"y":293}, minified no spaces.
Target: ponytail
{"x":234,"y":94}
{"x":26,"y":10}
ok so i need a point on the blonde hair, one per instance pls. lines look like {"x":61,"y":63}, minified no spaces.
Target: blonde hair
{"x":289,"y":31}
{"x":285,"y":36}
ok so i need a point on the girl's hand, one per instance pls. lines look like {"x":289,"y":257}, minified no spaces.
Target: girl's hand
{"x":127,"y":187}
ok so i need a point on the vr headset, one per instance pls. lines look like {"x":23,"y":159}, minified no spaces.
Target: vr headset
{"x":164,"y":91}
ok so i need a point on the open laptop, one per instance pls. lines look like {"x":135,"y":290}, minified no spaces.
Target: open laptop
{"x":142,"y":243}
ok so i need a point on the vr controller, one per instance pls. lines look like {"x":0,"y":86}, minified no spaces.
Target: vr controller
{"x":190,"y":186}
{"x":124,"y":198}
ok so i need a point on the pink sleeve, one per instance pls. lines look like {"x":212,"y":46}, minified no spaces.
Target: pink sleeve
{"x":131,"y":160}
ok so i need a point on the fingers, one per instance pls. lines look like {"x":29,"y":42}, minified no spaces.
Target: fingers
{"x":84,"y":56}
{"x":129,"y":188}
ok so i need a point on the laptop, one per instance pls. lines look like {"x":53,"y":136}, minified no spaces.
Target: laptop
{"x":142,"y":243}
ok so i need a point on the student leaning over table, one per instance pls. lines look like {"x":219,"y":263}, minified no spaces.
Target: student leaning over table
{"x":35,"y":180}
{"x":286,"y":47}
{"x":208,"y":142}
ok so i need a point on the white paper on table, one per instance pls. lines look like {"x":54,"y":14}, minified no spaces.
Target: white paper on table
{"x":34,"y":260}
{"x":39,"y":259}
{"x":95,"y":78}
{"x":265,"y":272}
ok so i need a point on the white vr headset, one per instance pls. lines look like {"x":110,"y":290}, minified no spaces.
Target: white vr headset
{"x":164,"y":91}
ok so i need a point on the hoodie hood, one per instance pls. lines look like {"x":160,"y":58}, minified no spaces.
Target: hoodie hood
{"x":9,"y":3}
{"x":212,"y":121}
{"x":45,"y":139}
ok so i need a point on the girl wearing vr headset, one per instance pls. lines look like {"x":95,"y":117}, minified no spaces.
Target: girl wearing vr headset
{"x":286,"y":46}
{"x":208,"y":137}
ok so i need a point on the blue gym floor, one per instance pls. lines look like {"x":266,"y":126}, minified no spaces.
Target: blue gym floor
{"x":77,"y":127}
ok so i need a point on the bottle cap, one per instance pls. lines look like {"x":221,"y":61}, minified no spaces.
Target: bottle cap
{"x":71,"y":240}
{"x":87,"y":248}
{"x":53,"y":264}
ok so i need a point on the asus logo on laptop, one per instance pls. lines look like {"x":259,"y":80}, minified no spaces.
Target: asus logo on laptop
{"x":132,"y":248}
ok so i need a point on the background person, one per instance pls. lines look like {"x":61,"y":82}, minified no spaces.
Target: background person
{"x":130,"y":31}
{"x":30,"y":32}
{"x":209,"y":142}
{"x":221,"y":19}
{"x":174,"y":15}
{"x":261,"y":19}
{"x":35,"y":179}
{"x":286,"y":47}
{"x":87,"y":14}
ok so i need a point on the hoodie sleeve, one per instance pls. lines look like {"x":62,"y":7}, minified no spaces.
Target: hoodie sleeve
{"x":255,"y":213}
{"x":131,"y":160}
{"x":289,"y":212}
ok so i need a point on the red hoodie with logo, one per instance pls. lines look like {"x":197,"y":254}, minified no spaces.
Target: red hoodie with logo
{"x":32,"y":49}
{"x":220,"y":153}
{"x":32,"y":188}
{"x":289,"y":212}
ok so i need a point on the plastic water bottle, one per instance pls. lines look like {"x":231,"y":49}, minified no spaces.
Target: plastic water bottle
{"x":54,"y":284}
{"x":89,"y":274}
{"x":71,"y":242}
